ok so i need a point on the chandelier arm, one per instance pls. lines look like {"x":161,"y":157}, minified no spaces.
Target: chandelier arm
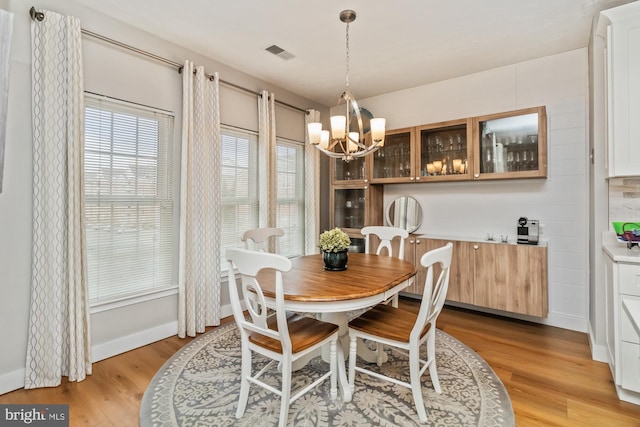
{"x":336,"y":154}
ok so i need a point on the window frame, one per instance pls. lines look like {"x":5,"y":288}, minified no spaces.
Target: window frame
{"x":162,"y":197}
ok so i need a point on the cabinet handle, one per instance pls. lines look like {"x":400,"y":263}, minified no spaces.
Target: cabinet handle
{"x":477,"y":175}
{"x":411,"y":178}
{"x":476,"y":247}
{"x":365,"y":187}
{"x":418,"y":241}
{"x":411,"y":242}
{"x":417,"y":178}
{"x":366,"y":180}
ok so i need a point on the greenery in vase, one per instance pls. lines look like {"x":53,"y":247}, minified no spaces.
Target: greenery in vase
{"x":334,"y":240}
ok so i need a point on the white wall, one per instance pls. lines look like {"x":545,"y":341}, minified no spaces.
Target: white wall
{"x":473,"y":209}
{"x":121,"y":74}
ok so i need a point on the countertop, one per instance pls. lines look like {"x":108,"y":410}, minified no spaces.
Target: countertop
{"x":496,"y":239}
{"x":618,"y":251}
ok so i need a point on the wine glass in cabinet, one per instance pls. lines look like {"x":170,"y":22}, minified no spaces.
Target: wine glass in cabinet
{"x":511,"y":144}
{"x":444,"y":151}
{"x":393,"y":162}
{"x":354,"y":206}
{"x":355,"y":170}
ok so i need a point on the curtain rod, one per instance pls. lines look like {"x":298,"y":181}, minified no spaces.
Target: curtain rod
{"x":39,"y":16}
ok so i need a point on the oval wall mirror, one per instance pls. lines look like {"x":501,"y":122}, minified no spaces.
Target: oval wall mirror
{"x":404,"y":212}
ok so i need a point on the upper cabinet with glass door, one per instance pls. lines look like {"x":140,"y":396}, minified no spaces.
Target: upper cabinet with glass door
{"x":353,"y":170}
{"x":393,"y":162}
{"x":444,"y":151}
{"x":511,"y":145}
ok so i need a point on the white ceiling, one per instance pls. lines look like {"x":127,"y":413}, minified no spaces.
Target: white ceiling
{"x":394,"y":45}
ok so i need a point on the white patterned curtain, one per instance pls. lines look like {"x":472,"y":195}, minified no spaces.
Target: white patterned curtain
{"x":312,"y":188}
{"x":58,"y":342}
{"x":199,"y":270}
{"x":267,"y":158}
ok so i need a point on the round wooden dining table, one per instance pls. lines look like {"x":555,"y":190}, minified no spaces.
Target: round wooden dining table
{"x":368,"y":280}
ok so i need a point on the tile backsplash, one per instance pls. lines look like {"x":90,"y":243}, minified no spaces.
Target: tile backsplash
{"x":624,"y":199}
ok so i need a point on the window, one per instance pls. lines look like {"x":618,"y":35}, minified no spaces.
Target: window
{"x":290,"y":196}
{"x":240,"y":194}
{"x":128,"y":199}
{"x":238,"y":188}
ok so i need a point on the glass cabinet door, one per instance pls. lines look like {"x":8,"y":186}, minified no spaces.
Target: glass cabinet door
{"x":349,"y":207}
{"x":512,"y":145}
{"x":444,"y":151}
{"x":393,"y":162}
{"x":355,"y":206}
{"x":352,"y":170}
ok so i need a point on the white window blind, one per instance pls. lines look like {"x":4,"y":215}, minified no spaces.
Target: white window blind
{"x":128,"y":199}
{"x":290,"y":196}
{"x":238,"y":188}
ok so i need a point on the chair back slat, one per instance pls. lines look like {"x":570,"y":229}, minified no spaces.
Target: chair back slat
{"x":265,"y":239}
{"x":434,"y":293}
{"x":385,"y":235}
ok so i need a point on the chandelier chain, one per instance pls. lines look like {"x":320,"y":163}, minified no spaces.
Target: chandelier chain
{"x":347,"y":56}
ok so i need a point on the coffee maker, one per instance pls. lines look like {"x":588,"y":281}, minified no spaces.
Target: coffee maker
{"x":528,"y":231}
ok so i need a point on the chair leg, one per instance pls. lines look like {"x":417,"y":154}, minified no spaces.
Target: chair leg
{"x":379,"y":354}
{"x":286,"y":391}
{"x":414,"y":369}
{"x":333,"y":365}
{"x":244,"y":382}
{"x":353,"y":345}
{"x":431,"y":358}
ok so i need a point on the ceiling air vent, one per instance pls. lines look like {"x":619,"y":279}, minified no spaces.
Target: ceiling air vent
{"x":279,"y":52}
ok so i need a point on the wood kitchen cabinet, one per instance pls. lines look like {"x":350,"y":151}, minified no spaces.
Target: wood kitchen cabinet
{"x":444,"y":151}
{"x":510,"y":145}
{"x":510,"y":278}
{"x":499,"y":276}
{"x":460,"y":286}
{"x":394,"y":162}
{"x":351,"y":172}
{"x":354,"y":206}
{"x":506,"y":145}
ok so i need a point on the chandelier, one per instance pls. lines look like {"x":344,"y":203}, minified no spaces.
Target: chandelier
{"x":342,"y":142}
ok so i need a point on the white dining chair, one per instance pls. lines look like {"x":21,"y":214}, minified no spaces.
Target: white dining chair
{"x":386,"y":235}
{"x":265,"y":239}
{"x":284,"y":338}
{"x":405,"y":332}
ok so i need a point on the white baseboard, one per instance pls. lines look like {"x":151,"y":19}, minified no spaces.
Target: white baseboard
{"x":129,"y":342}
{"x":599,"y":353}
{"x":11,"y":381}
{"x":142,"y":338}
{"x":15,"y":380}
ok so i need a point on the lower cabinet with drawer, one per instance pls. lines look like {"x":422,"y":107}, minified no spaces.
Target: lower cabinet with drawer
{"x":500,"y":276}
{"x":622,"y":282}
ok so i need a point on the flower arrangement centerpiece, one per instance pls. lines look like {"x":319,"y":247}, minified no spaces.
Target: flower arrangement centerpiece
{"x":334,"y":245}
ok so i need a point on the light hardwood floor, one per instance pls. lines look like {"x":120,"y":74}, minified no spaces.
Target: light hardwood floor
{"x":547,"y":371}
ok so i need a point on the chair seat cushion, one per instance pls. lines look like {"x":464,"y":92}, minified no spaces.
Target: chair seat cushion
{"x":303,"y":331}
{"x":387,"y":322}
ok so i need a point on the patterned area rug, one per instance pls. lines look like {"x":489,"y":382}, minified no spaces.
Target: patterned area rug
{"x":199,"y":386}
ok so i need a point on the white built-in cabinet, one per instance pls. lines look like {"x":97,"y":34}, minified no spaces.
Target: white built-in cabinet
{"x":620,"y":27}
{"x":622,"y":283}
